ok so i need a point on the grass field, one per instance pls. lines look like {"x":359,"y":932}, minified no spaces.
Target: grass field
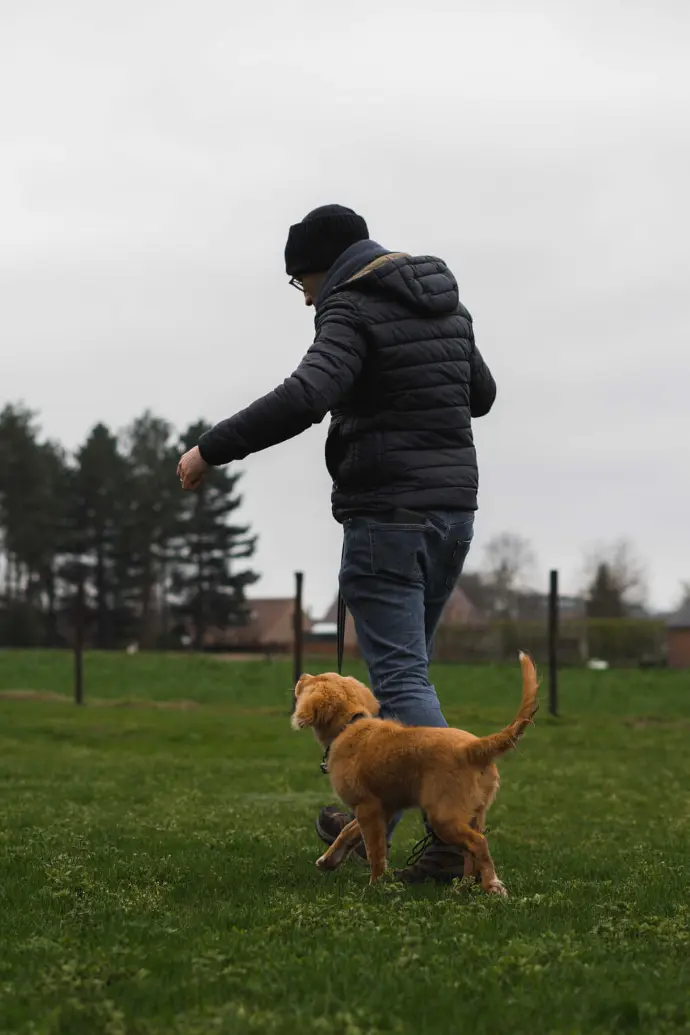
{"x":157,"y":864}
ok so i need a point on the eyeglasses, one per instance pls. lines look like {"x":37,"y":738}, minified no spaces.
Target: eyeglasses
{"x":295,"y":283}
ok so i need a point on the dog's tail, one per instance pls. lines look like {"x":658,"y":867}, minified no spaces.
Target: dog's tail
{"x":484,"y":750}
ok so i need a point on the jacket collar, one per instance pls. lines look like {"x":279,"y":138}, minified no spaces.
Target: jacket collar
{"x":359,"y":254}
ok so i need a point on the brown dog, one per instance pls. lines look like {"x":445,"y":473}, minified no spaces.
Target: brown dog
{"x":379,"y":767}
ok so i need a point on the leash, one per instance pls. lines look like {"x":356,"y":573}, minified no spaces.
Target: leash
{"x":342,"y":616}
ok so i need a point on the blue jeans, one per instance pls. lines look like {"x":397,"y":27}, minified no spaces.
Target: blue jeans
{"x":396,"y":575}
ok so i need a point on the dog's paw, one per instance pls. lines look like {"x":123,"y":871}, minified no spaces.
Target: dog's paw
{"x":330,"y":861}
{"x":497,"y":887}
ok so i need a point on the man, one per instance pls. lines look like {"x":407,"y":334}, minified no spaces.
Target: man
{"x":395,"y":364}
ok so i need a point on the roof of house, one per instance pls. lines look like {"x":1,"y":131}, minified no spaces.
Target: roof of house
{"x":331,"y":616}
{"x":331,"y":619}
{"x":266,"y":612}
{"x":459,"y":610}
{"x":681,"y":619}
{"x":269,"y":618}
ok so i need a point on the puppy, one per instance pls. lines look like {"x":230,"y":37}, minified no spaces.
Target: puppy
{"x":379,"y":767}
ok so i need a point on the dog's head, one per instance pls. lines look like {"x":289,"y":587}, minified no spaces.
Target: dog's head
{"x":328,"y":702}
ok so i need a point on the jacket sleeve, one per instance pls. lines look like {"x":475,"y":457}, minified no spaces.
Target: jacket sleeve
{"x":320,"y":382}
{"x":482,"y":384}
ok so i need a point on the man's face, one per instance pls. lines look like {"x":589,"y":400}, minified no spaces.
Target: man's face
{"x":309,"y":284}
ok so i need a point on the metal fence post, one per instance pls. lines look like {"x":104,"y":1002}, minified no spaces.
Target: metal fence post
{"x":298,"y":627}
{"x":79,"y":641}
{"x":553,"y":643}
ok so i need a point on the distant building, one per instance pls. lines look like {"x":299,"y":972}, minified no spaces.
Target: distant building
{"x":534,"y":607}
{"x":270,"y":628}
{"x":525,"y":605}
{"x":458,"y":612}
{"x":678,"y":637}
{"x":329,"y":623}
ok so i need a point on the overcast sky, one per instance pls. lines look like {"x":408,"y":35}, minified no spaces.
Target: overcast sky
{"x":153,"y":156}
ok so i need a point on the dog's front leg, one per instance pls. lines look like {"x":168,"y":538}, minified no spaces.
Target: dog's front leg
{"x":338,"y":852}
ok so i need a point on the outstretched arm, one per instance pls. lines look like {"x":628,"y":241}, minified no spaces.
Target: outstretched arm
{"x":323,"y":378}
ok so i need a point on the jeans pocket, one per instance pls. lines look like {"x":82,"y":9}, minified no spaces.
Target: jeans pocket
{"x":398,"y":551}
{"x":459,"y":541}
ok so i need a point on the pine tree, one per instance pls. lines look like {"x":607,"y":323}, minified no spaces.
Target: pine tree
{"x":604,"y":599}
{"x":33,"y":477}
{"x":208,"y":587}
{"x":97,"y":504}
{"x":49,"y":518}
{"x":152,"y":498}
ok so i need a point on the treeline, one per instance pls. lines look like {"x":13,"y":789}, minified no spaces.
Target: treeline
{"x":620,"y":641}
{"x":159,"y":566}
{"x":613,"y":581}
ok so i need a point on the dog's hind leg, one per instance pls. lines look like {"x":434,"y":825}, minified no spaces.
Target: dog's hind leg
{"x":372,"y":822}
{"x":338,"y":852}
{"x":489,"y":783}
{"x":453,"y":831}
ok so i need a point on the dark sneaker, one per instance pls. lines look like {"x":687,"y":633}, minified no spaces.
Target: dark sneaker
{"x":432,"y":860}
{"x":330,"y":821}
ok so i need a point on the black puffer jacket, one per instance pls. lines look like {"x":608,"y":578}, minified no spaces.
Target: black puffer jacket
{"x":395,"y":363}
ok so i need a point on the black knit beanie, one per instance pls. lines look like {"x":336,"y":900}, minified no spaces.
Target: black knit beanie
{"x":314,"y":244}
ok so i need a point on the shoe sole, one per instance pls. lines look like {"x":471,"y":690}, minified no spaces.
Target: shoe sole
{"x":328,"y":839}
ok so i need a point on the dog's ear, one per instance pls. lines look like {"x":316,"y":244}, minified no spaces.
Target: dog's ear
{"x":364,"y":695}
{"x":302,"y":683}
{"x":303,"y":714}
{"x":314,"y":709}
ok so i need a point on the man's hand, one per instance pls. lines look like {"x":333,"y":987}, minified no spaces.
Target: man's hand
{"x":191,"y":469}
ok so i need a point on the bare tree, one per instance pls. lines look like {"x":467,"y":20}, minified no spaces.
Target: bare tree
{"x":509,"y":561}
{"x":625,"y":571}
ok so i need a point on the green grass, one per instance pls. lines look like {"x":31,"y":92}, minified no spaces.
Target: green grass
{"x":156,"y":865}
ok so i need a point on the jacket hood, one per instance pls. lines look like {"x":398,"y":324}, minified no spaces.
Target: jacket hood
{"x":424,"y":283}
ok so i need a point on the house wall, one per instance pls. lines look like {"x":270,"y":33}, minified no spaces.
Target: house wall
{"x":679,"y":648}
{"x":272,"y":629}
{"x":282,"y":632}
